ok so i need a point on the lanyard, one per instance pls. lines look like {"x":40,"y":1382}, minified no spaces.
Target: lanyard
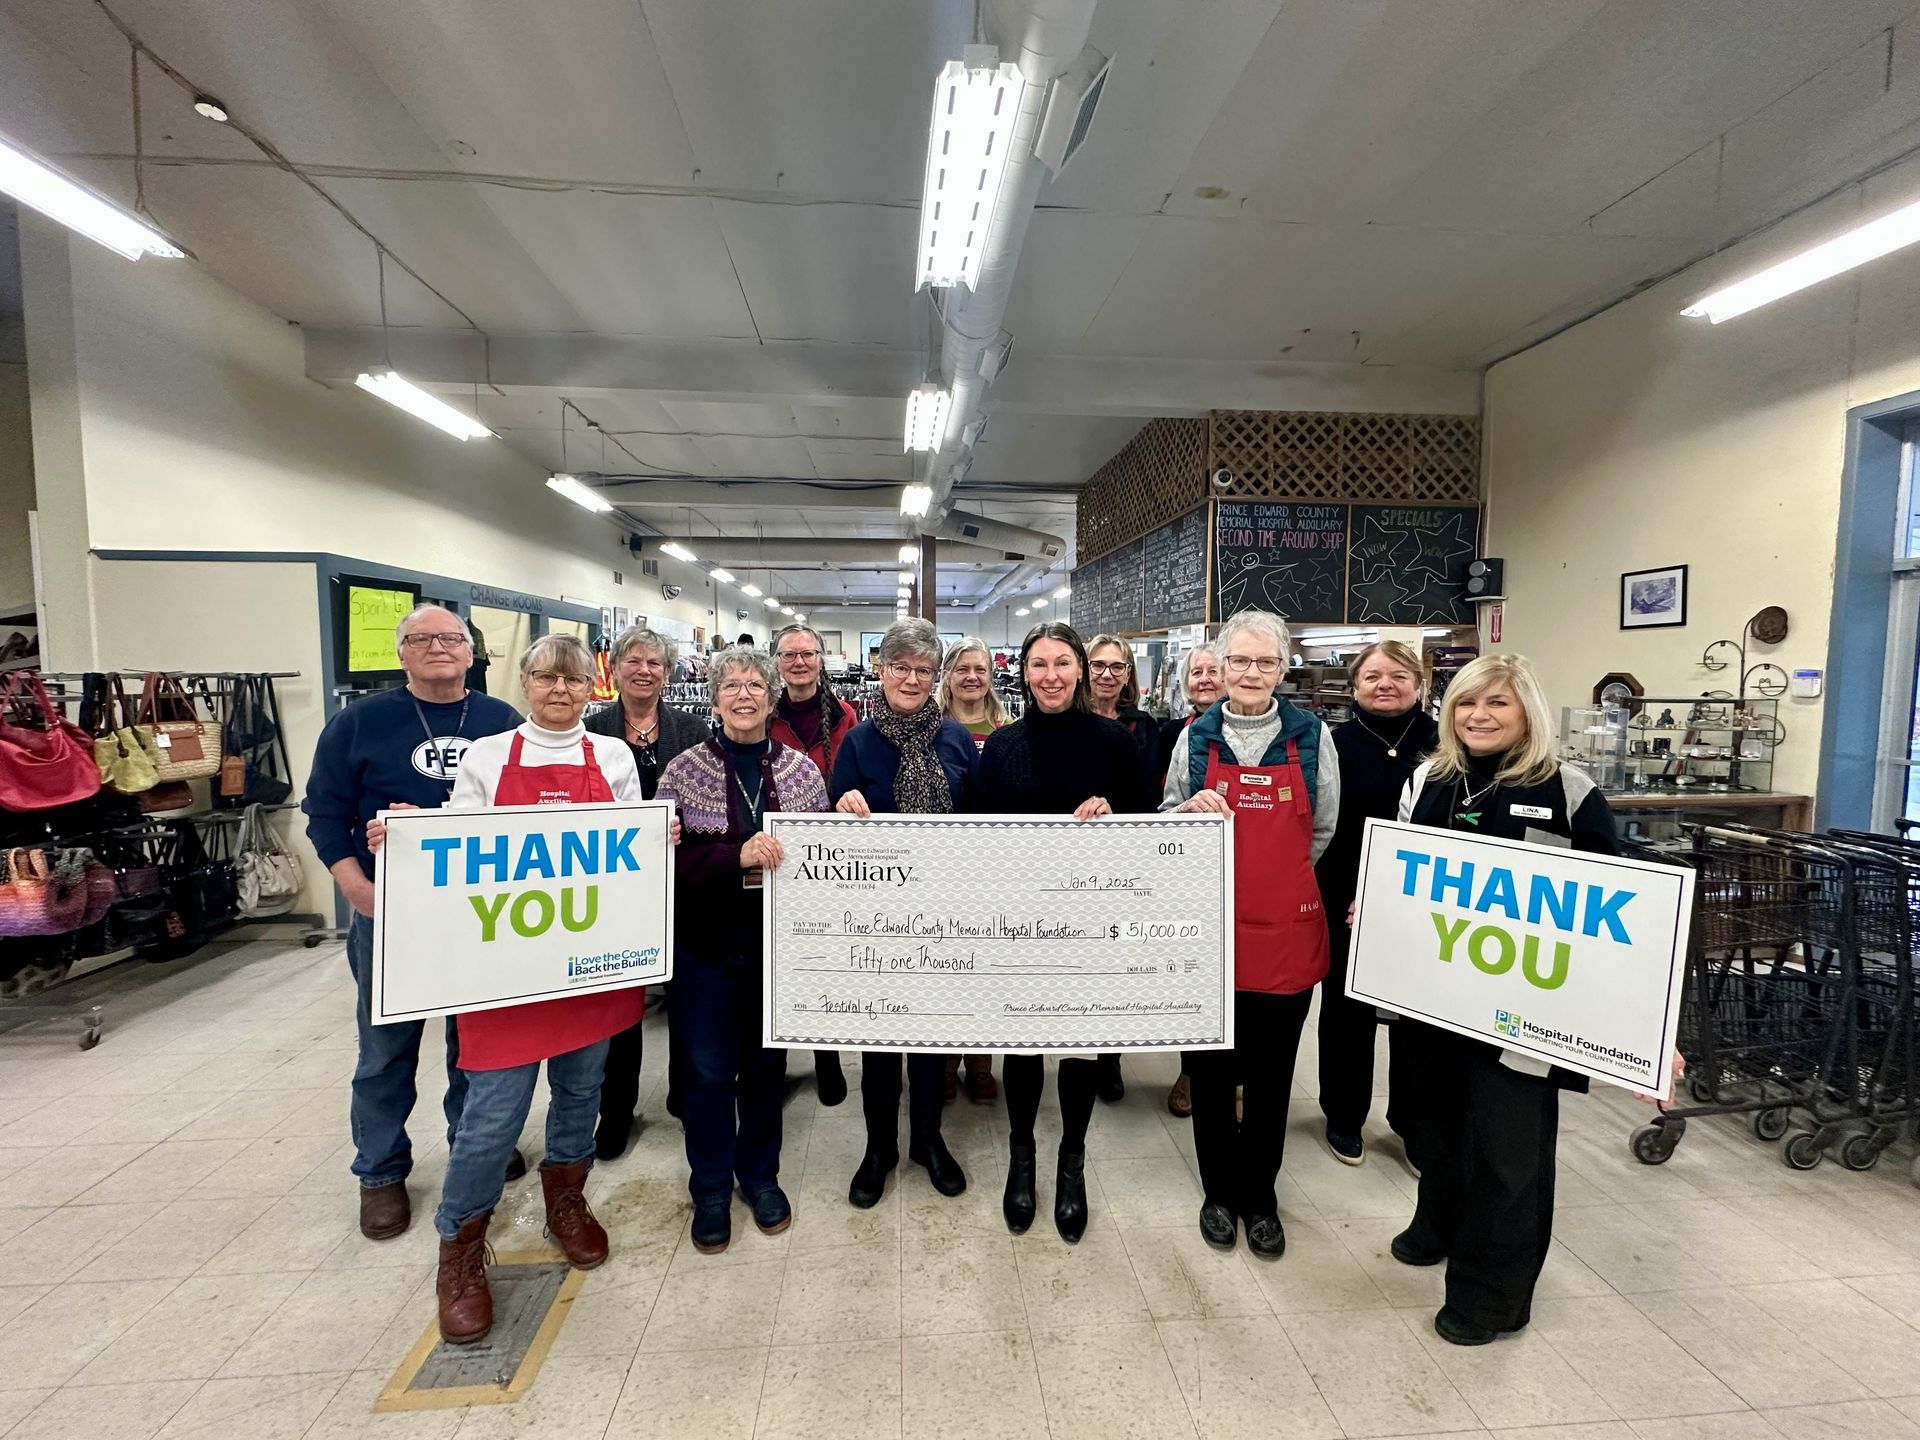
{"x":752,"y":801}
{"x":458,"y":729}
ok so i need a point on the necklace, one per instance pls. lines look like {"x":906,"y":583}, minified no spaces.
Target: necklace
{"x":1471,"y":799}
{"x":646,"y":736}
{"x":1393,"y":749}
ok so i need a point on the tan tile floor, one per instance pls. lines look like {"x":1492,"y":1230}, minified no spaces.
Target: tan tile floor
{"x":178,"y":1257}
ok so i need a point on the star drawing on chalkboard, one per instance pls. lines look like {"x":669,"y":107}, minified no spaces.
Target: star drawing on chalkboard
{"x":1376,"y":550}
{"x":1377,"y":597}
{"x":1438,"y":549}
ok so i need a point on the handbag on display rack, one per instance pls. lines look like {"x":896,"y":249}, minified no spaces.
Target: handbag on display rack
{"x":45,"y":760}
{"x":270,"y":875}
{"x":126,"y":767}
{"x":254,"y":739}
{"x":188,"y":747}
{"x":38,"y":898}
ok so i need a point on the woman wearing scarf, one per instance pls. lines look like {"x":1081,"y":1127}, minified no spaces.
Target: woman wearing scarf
{"x":906,"y":758}
{"x":810,"y":718}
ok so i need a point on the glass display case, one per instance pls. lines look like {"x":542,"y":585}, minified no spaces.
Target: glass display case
{"x":1696,"y":746}
{"x":1594,"y":737}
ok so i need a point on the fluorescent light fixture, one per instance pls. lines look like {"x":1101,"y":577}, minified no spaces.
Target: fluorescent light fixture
{"x":906,"y":577}
{"x":916,"y":500}
{"x":33,"y":182}
{"x":975,"y":100}
{"x":396,"y":389}
{"x":568,"y":486}
{"x":927,"y":407}
{"x":799,"y":618}
{"x":1023,"y":612}
{"x":1837,"y":256}
{"x":724,"y":576}
{"x":909,"y":554}
{"x":771,"y":603}
{"x":1063,"y":592}
{"x":754,"y":590}
{"x":786,"y":610}
{"x":678,"y":551}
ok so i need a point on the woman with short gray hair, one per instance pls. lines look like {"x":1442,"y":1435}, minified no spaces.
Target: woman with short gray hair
{"x":654,"y":732}
{"x":905,"y":758}
{"x":734,"y":1086}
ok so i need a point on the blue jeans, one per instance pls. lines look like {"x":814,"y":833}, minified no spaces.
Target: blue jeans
{"x":383,"y":1076}
{"x":497,"y":1106}
{"x":716,"y":1010}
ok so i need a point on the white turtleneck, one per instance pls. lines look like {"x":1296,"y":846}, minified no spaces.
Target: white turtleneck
{"x":479,"y":774}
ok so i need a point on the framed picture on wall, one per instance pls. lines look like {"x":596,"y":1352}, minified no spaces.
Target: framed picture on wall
{"x":1651,"y":599}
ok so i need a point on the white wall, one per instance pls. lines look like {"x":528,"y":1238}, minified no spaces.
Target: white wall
{"x":1640,"y":438}
{"x":16,"y":487}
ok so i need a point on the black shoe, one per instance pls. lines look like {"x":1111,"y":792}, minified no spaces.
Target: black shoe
{"x":1347,"y":1149}
{"x":1107,"y":1083}
{"x":676,"y":1107}
{"x":1456,"y":1329}
{"x":870,"y":1180}
{"x":1217,"y":1226}
{"x":772,"y":1211}
{"x":942,"y":1169}
{"x":1266,"y":1237}
{"x":610,"y":1140}
{"x":712,"y":1225}
{"x":1408,"y":1251}
{"x":1070,"y":1196}
{"x":829,"y":1081}
{"x":516,"y":1166}
{"x":1018,"y":1204}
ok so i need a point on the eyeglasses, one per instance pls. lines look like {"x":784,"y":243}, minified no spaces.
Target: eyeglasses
{"x":552,"y":680}
{"x":1266,"y":664}
{"x":922,"y":673}
{"x":440,"y":639}
{"x":798,"y":655}
{"x":743,"y":687}
{"x":1110,"y":667}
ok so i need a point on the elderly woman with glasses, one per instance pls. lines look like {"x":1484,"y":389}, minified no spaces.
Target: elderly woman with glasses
{"x":966,"y":695}
{"x":1270,"y":767}
{"x":905,"y":758}
{"x":724,"y":787}
{"x":548,"y":760}
{"x":654,"y":732}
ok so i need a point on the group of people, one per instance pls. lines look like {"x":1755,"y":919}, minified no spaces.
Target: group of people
{"x":1477,"y":1123}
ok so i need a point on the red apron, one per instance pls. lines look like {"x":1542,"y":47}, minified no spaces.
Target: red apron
{"x":523,"y":1034}
{"x":1280,"y":930}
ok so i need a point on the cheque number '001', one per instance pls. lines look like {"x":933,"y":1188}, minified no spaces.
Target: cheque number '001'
{"x":1137,"y":931}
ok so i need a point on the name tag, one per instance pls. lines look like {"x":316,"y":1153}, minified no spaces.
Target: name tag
{"x":1256,"y":779}
{"x":1531,"y":812}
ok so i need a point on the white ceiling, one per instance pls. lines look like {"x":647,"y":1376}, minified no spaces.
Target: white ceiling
{"x":1280,"y":200}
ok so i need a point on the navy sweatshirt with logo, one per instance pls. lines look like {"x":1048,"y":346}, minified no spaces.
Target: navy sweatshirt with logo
{"x":375,"y":754}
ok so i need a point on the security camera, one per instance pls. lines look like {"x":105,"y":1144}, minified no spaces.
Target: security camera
{"x":1223,"y":479}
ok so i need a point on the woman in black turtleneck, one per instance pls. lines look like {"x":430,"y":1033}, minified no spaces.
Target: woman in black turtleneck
{"x":1388,"y":735}
{"x":1057,"y":758}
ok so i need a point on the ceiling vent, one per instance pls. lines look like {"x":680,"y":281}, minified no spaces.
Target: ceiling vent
{"x":1071,"y":104}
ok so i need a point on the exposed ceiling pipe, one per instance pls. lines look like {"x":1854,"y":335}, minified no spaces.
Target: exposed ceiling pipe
{"x":1016,"y":540}
{"x":736,"y":551}
{"x":1050,"y":35}
{"x":1015,"y":580}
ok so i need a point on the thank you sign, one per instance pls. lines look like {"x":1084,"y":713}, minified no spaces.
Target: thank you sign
{"x":479,"y":909}
{"x":1574,"y":959}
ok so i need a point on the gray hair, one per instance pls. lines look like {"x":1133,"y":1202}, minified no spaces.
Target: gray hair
{"x":562,"y":654}
{"x":739,"y":657}
{"x":912,"y":636}
{"x":786,"y":630}
{"x":1263,"y":623}
{"x":1211,"y":647}
{"x":640,"y":636}
{"x":428,"y":607}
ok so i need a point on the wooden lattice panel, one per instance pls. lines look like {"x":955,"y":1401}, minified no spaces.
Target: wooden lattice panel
{"x":1159,"y":476}
{"x":1313,"y":455}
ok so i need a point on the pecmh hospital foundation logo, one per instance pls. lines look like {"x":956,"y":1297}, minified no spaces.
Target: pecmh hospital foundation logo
{"x":1505,"y":1023}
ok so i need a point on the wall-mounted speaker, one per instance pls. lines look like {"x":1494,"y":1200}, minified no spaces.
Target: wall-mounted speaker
{"x":1486,"y":579}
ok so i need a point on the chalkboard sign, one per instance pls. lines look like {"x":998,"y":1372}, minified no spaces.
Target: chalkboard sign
{"x":1122,"y":586}
{"x":1176,"y":572}
{"x":1286,"y":558}
{"x":1409,"y":564}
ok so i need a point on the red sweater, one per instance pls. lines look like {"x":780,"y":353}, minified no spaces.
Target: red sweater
{"x":826,"y":745}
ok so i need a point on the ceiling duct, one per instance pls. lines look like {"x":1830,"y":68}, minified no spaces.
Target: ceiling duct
{"x":1070,"y":109}
{"x":1016,"y":542}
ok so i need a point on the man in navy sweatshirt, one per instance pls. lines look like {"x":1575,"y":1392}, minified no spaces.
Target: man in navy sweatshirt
{"x":395,"y":747}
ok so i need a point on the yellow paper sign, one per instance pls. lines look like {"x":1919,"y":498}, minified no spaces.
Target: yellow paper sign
{"x":372,"y":616}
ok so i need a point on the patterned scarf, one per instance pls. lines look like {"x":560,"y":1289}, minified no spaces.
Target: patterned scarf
{"x":920,"y":785}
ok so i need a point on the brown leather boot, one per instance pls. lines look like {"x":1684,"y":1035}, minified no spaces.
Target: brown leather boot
{"x":569,"y":1221}
{"x":385,"y":1210}
{"x":466,"y":1304}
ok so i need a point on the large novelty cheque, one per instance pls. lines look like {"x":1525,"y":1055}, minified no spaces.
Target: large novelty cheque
{"x":1015,"y":933}
{"x":1574,"y":959}
{"x":479,"y":909}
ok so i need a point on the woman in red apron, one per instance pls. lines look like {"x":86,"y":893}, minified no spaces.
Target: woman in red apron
{"x":1269,"y":766}
{"x":549,"y":760}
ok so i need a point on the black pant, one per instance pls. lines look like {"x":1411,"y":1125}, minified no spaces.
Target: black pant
{"x":880,"y":1098}
{"x":1240,"y":1157}
{"x":1024,"y":1076}
{"x":1346,"y":1057}
{"x":735,"y":1086}
{"x":620,"y":1092}
{"x":1486,"y":1178}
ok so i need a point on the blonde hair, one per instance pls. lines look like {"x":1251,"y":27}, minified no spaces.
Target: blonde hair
{"x":1534,"y":760}
{"x":1400,"y":654}
{"x":1130,"y":695}
{"x":996,"y":712}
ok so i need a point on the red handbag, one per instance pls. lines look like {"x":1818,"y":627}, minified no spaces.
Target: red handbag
{"x":45,"y":761}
